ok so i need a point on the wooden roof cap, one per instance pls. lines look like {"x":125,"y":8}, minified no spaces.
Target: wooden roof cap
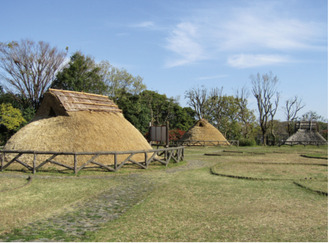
{"x":81,"y":101}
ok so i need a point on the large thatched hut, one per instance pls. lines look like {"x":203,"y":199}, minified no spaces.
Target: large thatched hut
{"x":202,"y":133}
{"x":70,"y":121}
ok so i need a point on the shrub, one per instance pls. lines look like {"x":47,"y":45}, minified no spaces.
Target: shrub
{"x":175,"y":134}
{"x":247,"y":142}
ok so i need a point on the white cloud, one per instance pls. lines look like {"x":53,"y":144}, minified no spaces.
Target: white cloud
{"x":184,"y":42}
{"x":215,"y":33}
{"x":248,"y":60}
{"x":251,"y":31}
{"x":144,"y":24}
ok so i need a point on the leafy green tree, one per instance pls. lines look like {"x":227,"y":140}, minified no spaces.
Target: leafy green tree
{"x":81,"y":74}
{"x":151,"y":107}
{"x":135,"y":111}
{"x":161,"y":108}
{"x":224,"y":115}
{"x":10,"y":117}
{"x":183,"y":118}
{"x":29,"y":68}
{"x":11,"y":120}
{"x":228,"y":114}
{"x":19,"y":102}
{"x":120,"y":82}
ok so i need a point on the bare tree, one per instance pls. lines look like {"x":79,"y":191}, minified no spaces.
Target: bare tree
{"x":214,"y":104}
{"x":292,"y":107}
{"x":273,"y":110}
{"x":29,"y":68}
{"x":245,"y":115}
{"x":264,"y":90}
{"x":197,"y":99}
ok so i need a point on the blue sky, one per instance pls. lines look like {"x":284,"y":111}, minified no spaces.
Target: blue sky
{"x":176,"y":45}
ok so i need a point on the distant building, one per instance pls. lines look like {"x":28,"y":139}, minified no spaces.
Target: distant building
{"x":306,"y":133}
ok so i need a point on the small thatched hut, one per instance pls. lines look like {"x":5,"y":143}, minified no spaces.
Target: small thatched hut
{"x":70,"y":121}
{"x":306,"y":134}
{"x":203,"y":133}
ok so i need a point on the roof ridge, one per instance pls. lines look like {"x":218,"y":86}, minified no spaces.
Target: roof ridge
{"x":77,"y":92}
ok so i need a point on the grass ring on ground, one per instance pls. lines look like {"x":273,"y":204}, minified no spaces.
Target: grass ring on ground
{"x":271,"y":171}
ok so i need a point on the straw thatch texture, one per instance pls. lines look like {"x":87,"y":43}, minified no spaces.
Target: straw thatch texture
{"x":59,"y":102}
{"x":202,"y":130}
{"x":304,"y":136}
{"x":65,"y":123}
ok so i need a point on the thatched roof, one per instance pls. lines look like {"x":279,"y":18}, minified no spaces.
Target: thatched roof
{"x":203,"y":131}
{"x":78,"y":122}
{"x":305,"y":136}
{"x":59,"y":102}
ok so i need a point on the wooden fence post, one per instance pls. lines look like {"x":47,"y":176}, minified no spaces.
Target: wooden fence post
{"x":145,"y":154}
{"x":34,"y":163}
{"x":161,"y":155}
{"x":2,"y":160}
{"x":75,"y":164}
{"x":115,"y":162}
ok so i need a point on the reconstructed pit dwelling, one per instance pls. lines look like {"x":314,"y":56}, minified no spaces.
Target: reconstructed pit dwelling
{"x":69,"y":121}
{"x":202,"y":133}
{"x":306,"y":133}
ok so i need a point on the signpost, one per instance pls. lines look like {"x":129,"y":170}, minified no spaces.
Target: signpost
{"x":159,"y":134}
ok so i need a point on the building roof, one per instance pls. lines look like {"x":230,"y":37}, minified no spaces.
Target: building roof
{"x":80,"y":101}
{"x":203,"y":131}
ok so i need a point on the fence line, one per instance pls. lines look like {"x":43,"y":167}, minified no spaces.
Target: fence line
{"x":311,"y":142}
{"x":164,"y":156}
{"x":209,"y":143}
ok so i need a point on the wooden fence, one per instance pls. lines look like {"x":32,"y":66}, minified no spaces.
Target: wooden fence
{"x":120,"y":158}
{"x":314,"y":142}
{"x":209,"y":143}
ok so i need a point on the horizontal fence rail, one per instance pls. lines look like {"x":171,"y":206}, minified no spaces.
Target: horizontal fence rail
{"x":118,"y":158}
{"x":311,"y":142}
{"x":208,"y":143}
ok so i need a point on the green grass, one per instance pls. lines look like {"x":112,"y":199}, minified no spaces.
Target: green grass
{"x":193,"y":204}
{"x":314,"y":185}
{"x":45,"y":197}
{"x":273,"y":171}
{"x":45,"y":234}
{"x":197,"y":206}
{"x":12,"y":183}
{"x":316,"y":156}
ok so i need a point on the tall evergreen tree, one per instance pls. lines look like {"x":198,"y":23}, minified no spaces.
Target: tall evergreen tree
{"x":81,"y":74}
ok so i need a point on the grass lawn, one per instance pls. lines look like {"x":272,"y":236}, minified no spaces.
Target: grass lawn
{"x":42,"y":198}
{"x":193,"y":204}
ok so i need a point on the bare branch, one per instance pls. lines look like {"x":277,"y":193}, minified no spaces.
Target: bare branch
{"x":29,"y":68}
{"x":197,"y":99}
{"x":264,"y":90}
